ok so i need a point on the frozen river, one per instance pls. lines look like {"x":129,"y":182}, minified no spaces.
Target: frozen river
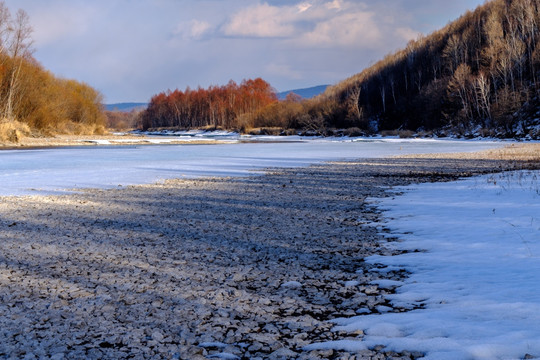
{"x":55,"y":170}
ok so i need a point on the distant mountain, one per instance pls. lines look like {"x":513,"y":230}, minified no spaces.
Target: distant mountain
{"x":126,"y":107}
{"x":306,"y":93}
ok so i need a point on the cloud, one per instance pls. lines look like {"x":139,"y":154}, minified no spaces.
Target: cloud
{"x":303,"y":7}
{"x":336,"y":4}
{"x":335,"y":23}
{"x":263,"y":21}
{"x":194,"y":29}
{"x":348,"y":29}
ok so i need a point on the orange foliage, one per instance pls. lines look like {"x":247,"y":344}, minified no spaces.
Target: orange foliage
{"x":32,"y":96}
{"x":218,"y":106}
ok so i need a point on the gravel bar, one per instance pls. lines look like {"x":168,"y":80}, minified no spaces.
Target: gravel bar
{"x":234,"y":268}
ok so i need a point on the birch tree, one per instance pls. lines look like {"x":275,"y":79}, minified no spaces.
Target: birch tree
{"x":17,"y":44}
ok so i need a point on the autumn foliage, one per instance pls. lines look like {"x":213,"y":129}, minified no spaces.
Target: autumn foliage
{"x":34,"y":101}
{"x":229,"y":106}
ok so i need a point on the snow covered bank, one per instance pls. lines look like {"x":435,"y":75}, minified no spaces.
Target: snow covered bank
{"x":475,"y":290}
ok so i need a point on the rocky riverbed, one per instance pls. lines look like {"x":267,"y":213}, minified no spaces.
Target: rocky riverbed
{"x":239,"y":268}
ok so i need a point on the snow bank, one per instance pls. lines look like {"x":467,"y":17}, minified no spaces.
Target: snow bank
{"x":477,"y":288}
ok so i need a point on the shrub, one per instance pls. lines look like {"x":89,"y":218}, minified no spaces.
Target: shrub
{"x":13,"y":131}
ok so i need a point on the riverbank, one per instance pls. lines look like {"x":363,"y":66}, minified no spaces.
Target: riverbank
{"x":247,"y":267}
{"x":95,"y":140}
{"x":201,"y":137}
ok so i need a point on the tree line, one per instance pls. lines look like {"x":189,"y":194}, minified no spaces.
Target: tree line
{"x":229,"y":106}
{"x":33,"y":100}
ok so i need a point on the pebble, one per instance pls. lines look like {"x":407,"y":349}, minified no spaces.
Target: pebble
{"x":193,"y":269}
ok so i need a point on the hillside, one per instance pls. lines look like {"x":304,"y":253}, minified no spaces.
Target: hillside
{"x":480,"y":75}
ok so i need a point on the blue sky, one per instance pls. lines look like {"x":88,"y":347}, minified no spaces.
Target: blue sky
{"x":133,"y":49}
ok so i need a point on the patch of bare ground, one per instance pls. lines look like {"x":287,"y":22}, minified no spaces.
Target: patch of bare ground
{"x":248,"y":268}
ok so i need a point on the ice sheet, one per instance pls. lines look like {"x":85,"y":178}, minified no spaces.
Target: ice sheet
{"x":54,"y":170}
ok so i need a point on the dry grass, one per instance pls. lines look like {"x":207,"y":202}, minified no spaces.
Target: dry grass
{"x":12,"y":131}
{"x":74,"y":128}
{"x":515,"y":152}
{"x":264,"y":131}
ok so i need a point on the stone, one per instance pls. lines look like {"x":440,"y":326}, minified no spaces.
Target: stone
{"x":152,"y":271}
{"x":283,"y":353}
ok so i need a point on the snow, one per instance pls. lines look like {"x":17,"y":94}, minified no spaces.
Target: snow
{"x":476,"y":287}
{"x":56,"y":170}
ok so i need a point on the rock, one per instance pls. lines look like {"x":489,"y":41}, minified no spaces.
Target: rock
{"x":292,"y":285}
{"x":157,"y":336}
{"x":154,"y":270}
{"x":282,"y":353}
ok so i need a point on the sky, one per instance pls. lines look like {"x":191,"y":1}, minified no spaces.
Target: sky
{"x":131,"y":50}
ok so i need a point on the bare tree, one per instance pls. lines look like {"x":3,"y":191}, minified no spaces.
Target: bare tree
{"x":453,"y":52}
{"x":483,"y":89}
{"x":392,"y":82}
{"x":18,"y":44}
{"x":459,"y":87}
{"x":382,"y":90}
{"x":354,"y":102}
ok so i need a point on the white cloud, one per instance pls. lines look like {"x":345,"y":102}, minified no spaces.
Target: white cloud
{"x":335,"y":23}
{"x":336,"y":4}
{"x":262,"y":21}
{"x":194,"y":29}
{"x":345,"y":29}
{"x":303,"y":7}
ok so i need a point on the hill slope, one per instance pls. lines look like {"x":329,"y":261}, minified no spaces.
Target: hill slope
{"x":480,"y":75}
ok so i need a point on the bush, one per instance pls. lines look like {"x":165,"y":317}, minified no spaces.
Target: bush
{"x":274,"y":131}
{"x":354,"y":132}
{"x":13,"y":131}
{"x":405,"y":134}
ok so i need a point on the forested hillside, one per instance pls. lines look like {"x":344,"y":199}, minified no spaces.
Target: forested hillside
{"x":34,"y":101}
{"x":480,"y":75}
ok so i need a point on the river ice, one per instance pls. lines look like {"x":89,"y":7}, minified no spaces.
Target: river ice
{"x":49,"y":171}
